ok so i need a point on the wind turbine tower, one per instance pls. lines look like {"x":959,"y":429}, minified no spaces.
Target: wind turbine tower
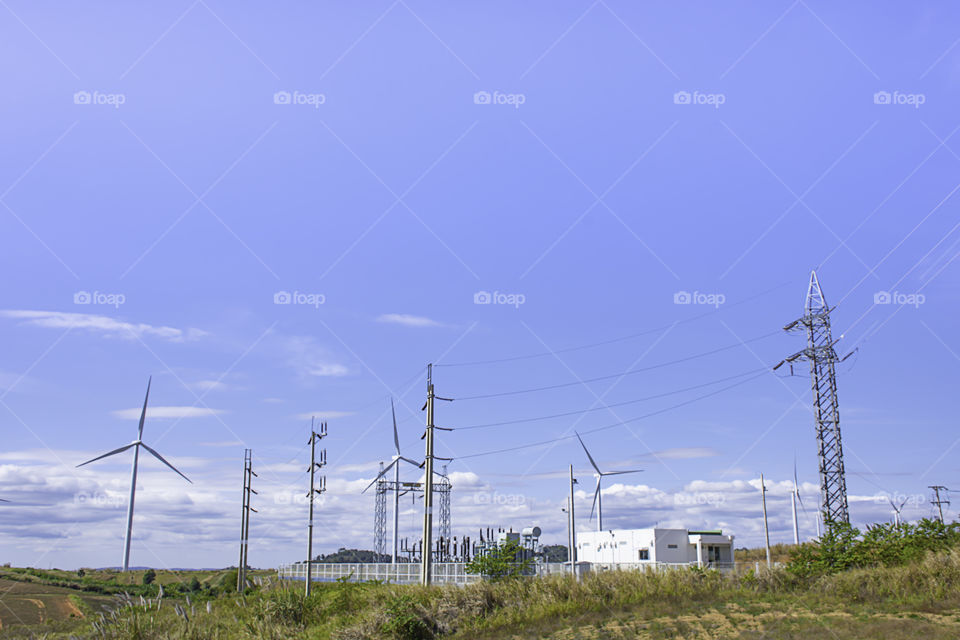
{"x":396,"y":483}
{"x":597,"y":498}
{"x":136,"y":444}
{"x":823,"y":359}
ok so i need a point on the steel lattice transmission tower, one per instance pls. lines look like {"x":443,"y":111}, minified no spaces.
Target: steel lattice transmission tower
{"x":822,"y":356}
{"x":380,"y":517}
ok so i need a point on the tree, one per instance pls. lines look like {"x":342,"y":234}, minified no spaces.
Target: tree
{"x":500,"y":563}
{"x":555,"y":553}
{"x":149,"y":576}
{"x":194,"y":584}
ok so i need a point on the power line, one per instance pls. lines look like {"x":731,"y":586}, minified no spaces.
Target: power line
{"x":616,"y":424}
{"x":631,"y":336}
{"x":621,"y":374}
{"x":610,"y":406}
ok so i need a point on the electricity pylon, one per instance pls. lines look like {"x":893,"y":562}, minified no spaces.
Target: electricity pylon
{"x":823,"y":359}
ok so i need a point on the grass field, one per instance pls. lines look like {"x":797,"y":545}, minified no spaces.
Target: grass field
{"x":55,"y":603}
{"x":917,"y":599}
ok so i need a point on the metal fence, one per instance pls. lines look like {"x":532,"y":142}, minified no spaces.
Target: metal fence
{"x":455,"y":572}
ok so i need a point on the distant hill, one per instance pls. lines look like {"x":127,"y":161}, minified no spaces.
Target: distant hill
{"x":353,"y":555}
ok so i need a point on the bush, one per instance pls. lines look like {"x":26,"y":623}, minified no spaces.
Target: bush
{"x":149,"y":576}
{"x":501,"y":562}
{"x":845,"y":547}
{"x":405,"y":620}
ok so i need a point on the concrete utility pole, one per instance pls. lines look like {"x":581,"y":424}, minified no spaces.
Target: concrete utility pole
{"x":766,"y":530}
{"x":573,"y":528}
{"x":248,"y":475}
{"x":426,"y":555}
{"x":937,"y":488}
{"x":314,"y":465}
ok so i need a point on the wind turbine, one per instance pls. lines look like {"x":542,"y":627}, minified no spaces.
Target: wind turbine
{"x":794,"y":498}
{"x":136,"y":444}
{"x":896,"y":509}
{"x":396,"y":479}
{"x":597,"y":498}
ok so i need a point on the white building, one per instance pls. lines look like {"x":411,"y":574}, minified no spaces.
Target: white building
{"x":655,"y":546}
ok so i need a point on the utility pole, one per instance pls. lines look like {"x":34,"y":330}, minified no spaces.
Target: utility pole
{"x":823,"y":359}
{"x":426,"y":555}
{"x":314,"y":492}
{"x":573,"y":528}
{"x":937,"y":488}
{"x":766,"y":530}
{"x":248,"y":476}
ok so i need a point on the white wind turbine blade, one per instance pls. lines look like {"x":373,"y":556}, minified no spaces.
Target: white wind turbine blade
{"x":409,"y":461}
{"x":381,"y":474}
{"x":595,"y":494}
{"x":160,"y":458}
{"x":143,"y":414}
{"x":107,"y":455}
{"x":618,"y":473}
{"x":796,"y":484}
{"x":396,"y":438}
{"x":588,"y":453}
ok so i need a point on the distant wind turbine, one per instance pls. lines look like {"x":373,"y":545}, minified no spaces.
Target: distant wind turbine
{"x":396,"y":479}
{"x":794,"y":498}
{"x":597,"y":498}
{"x":896,"y":509}
{"x":136,"y":444}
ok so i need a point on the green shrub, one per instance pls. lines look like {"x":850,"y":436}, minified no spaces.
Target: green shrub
{"x":149,"y":576}
{"x":501,"y":562}
{"x":405,"y":620}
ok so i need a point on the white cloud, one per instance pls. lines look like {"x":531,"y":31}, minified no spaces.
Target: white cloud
{"x":101,"y":324}
{"x":324,"y":415}
{"x":168,"y":412}
{"x":210,"y":385}
{"x":408,"y":320}
{"x":308,"y":358}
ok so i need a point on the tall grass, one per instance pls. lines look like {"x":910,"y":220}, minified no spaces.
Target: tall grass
{"x":350,"y":611}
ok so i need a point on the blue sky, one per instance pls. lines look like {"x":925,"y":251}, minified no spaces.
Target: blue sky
{"x":184,"y":163}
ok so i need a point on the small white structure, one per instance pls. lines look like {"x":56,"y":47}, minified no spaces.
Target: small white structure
{"x":670,"y":546}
